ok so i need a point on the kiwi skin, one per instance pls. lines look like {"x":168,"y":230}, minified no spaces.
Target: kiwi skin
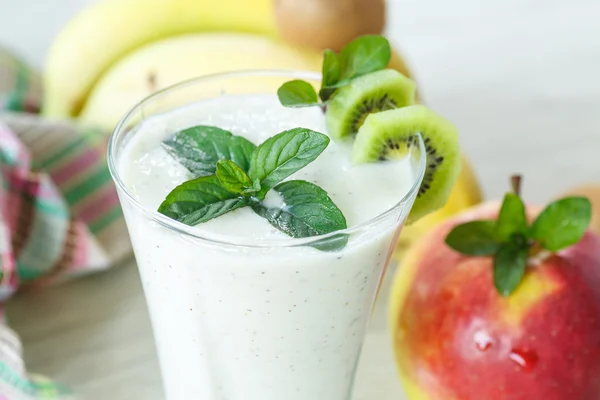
{"x":323,"y":24}
{"x":375,"y":92}
{"x":390,"y":135}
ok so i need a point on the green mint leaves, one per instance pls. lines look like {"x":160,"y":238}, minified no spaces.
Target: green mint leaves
{"x":331,"y":72}
{"x":241,"y":178}
{"x":200,"y":147}
{"x":232,"y":172}
{"x":510,"y":239}
{"x":308,"y":211}
{"x":200,"y":200}
{"x":366,"y":54}
{"x":283,"y":154}
{"x":298,"y":93}
{"x":234,"y":178}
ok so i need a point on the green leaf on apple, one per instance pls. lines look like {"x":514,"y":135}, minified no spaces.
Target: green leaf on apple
{"x":512,"y":218}
{"x":509,"y":267}
{"x":562,"y":223}
{"x":475,"y":238}
{"x":510,"y":239}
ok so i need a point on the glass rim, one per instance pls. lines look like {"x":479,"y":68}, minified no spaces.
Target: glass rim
{"x":220,"y":239}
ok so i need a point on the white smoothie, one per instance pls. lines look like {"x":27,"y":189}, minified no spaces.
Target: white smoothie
{"x":258,"y":323}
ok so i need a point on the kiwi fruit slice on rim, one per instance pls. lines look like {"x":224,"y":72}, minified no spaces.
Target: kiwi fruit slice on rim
{"x":372,"y":93}
{"x":389,"y":135}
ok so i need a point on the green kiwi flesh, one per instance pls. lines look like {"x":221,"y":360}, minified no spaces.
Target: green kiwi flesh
{"x":378,"y":91}
{"x":390,"y":135}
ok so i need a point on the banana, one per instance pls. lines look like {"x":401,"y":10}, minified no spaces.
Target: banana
{"x":109,"y":29}
{"x":176,"y":59}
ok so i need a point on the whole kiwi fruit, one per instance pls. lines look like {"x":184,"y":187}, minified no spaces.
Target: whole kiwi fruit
{"x":330,"y":24}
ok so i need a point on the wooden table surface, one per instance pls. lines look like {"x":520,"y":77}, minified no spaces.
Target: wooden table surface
{"x":518,"y":77}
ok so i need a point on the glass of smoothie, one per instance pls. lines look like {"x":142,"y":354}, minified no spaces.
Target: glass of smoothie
{"x":240,"y":310}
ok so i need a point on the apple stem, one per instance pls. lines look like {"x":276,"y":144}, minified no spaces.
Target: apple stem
{"x":534,"y":249}
{"x":515,"y":183}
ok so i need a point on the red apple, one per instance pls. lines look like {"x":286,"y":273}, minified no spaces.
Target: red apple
{"x":457,"y":338}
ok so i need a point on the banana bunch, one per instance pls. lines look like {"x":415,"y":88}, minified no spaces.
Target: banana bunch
{"x":116,"y":52}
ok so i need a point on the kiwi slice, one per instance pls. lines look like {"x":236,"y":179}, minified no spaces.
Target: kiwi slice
{"x":378,"y":91}
{"x":390,"y":134}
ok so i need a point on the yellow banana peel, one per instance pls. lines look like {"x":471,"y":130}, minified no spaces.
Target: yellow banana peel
{"x":109,"y":29}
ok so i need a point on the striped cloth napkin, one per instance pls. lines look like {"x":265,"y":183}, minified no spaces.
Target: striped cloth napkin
{"x":59,"y":212}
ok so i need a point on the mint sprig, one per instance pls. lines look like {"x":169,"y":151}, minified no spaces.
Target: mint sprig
{"x":511,"y":240}
{"x":363,"y":55}
{"x":307,"y":209}
{"x":200,"y":147}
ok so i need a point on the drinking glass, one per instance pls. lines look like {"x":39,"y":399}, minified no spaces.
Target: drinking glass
{"x":245,"y":319}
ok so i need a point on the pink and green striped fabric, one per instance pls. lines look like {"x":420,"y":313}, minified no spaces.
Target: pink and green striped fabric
{"x":59,"y":212}
{"x":20,"y":86}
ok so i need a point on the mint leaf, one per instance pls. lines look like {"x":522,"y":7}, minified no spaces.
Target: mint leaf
{"x":331,"y":68}
{"x":283,"y":154}
{"x":200,"y":200}
{"x":254,"y":188}
{"x":331,"y":74}
{"x":363,"y":55}
{"x":233,"y":178}
{"x":200,"y":147}
{"x":308,"y":211}
{"x":475,"y":238}
{"x":509,"y":267}
{"x":327,"y":92}
{"x":562,"y":223}
{"x":512,"y":218}
{"x":297,"y":93}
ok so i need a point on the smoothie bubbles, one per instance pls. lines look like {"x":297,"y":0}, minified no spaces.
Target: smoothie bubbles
{"x":263,"y":207}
